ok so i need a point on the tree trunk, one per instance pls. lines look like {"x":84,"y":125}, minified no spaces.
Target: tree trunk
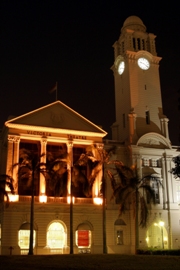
{"x":136,"y":223}
{"x":104,"y":213}
{"x":71,"y":220}
{"x":31,"y":219}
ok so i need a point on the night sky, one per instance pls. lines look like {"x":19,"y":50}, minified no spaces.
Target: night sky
{"x":70,"y":42}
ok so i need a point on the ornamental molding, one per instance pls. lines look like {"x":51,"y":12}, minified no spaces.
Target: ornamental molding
{"x":154,"y":140}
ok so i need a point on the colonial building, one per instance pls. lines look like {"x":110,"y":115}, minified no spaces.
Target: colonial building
{"x":140,"y":134}
{"x":143,"y":128}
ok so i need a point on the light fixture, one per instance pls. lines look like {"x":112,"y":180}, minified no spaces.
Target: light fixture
{"x":98,"y":200}
{"x":12,"y":197}
{"x":43,"y":198}
{"x":69,"y":199}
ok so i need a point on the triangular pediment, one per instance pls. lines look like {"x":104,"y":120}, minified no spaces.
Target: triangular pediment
{"x":56,"y":116}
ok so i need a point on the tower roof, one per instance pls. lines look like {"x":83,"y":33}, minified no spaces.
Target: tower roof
{"x":134,"y":23}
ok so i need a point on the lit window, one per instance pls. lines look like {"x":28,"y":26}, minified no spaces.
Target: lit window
{"x":56,"y":236}
{"x":83,"y":238}
{"x":24,"y":238}
{"x":119,"y":237}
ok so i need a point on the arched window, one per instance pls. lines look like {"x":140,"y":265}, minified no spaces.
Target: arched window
{"x":157,"y":236}
{"x":23,"y":237}
{"x":56,"y":236}
{"x":84,"y":238}
{"x":119,"y":231}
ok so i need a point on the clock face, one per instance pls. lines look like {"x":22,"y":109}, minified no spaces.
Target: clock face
{"x":143,"y":63}
{"x":121,"y":67}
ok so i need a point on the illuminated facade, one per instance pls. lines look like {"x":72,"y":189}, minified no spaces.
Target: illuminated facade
{"x":52,"y":130}
{"x":141,"y":136}
{"x":143,"y":128}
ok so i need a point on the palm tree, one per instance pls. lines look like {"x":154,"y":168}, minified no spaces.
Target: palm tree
{"x":176,"y":170}
{"x":56,"y":174}
{"x":29,"y":168}
{"x":135,"y":191}
{"x":98,"y":159}
{"x":6,"y":181}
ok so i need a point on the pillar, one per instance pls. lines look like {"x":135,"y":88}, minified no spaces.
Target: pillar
{"x":132,"y":128}
{"x":69,"y":165}
{"x":42,"y":188}
{"x":16,"y":161}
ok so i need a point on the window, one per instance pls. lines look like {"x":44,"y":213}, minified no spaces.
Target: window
{"x":119,"y":237}
{"x":24,"y":178}
{"x":139,"y":43}
{"x":83,"y":238}
{"x":119,"y":226}
{"x":56,"y":183}
{"x":80,"y":174}
{"x":134,"y":43}
{"x":23,"y":237}
{"x":155,"y":186}
{"x":147,"y":114}
{"x":56,"y":236}
{"x":143,"y":44}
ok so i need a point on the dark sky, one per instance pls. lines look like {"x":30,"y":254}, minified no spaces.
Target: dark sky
{"x":42,"y":42}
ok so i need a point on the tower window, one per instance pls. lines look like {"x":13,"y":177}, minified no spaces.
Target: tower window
{"x":143,"y":44}
{"x":139,"y":43}
{"x":147,"y":117}
{"x":145,"y":88}
{"x":134,"y":43}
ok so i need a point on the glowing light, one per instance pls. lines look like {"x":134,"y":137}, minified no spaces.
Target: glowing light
{"x":98,"y":200}
{"x":13,"y":198}
{"x":69,"y":199}
{"x":43,"y":198}
{"x":147,"y":239}
{"x":161,"y":223}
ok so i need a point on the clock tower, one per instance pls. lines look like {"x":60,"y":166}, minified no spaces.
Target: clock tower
{"x":137,"y":85}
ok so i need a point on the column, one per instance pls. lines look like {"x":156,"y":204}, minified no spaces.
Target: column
{"x":9,"y":165}
{"x":97,"y":184}
{"x":69,"y":165}
{"x":42,"y":188}
{"x":132,"y":127}
{"x":16,"y":161}
{"x":164,"y":183}
{"x":168,"y":160}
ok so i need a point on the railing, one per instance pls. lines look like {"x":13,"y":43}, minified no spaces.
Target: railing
{"x":56,"y":200}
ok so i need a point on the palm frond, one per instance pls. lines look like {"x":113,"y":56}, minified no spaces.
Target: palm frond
{"x":143,"y":213}
{"x":6,"y":180}
{"x":112,"y":179}
{"x":176,"y":170}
